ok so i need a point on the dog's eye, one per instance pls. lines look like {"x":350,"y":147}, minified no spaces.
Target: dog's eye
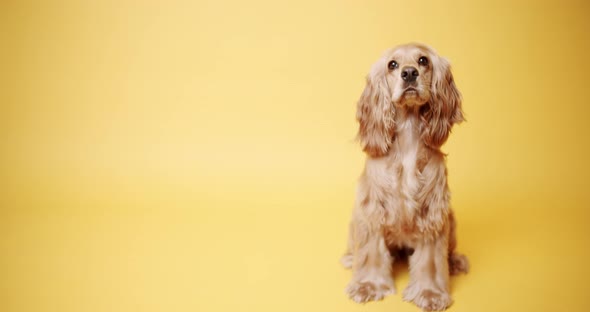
{"x":392,"y":65}
{"x":423,"y":61}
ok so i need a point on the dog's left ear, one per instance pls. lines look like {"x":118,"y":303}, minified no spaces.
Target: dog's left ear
{"x":444,"y":108}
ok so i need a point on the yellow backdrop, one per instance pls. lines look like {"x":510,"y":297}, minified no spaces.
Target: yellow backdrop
{"x":199,"y":155}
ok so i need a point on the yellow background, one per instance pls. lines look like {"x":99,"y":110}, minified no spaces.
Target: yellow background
{"x":199,"y":155}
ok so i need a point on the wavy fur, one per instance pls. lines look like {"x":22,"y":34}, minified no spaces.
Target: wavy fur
{"x":403,"y":196}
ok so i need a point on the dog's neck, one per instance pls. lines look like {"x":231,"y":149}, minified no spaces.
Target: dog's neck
{"x":407,"y":121}
{"x":408,"y":134}
{"x":404,"y":110}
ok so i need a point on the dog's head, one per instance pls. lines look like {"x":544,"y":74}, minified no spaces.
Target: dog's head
{"x":413,"y":77}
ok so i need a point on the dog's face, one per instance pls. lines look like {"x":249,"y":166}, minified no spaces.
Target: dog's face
{"x":409,"y":75}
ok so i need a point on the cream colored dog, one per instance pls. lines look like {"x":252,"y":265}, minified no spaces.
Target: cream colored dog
{"x":405,"y":113}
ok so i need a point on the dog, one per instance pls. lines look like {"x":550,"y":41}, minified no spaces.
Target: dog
{"x":405,"y":114}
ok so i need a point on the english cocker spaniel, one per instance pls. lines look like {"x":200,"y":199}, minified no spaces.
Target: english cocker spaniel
{"x":406,"y":112}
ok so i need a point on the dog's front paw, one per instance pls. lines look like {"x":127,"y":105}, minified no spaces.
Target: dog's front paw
{"x":430,"y":300}
{"x":362,"y":292}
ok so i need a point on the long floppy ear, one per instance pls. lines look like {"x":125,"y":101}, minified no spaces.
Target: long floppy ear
{"x":444,"y":108}
{"x":375,"y":112}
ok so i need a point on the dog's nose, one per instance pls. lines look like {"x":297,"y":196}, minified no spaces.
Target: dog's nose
{"x":410,"y":74}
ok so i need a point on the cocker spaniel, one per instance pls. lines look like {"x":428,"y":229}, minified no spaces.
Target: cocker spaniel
{"x":406,"y":112}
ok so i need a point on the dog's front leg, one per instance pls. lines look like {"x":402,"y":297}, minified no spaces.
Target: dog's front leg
{"x":371,"y":264}
{"x":429,"y":275}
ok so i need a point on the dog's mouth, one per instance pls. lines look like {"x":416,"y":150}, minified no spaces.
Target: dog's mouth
{"x":410,"y":91}
{"x":411,"y":96}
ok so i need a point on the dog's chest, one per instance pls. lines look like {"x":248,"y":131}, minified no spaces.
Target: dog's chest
{"x":400,"y":223}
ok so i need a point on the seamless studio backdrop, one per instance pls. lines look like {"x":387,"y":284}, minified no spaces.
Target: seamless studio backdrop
{"x":200,"y":155}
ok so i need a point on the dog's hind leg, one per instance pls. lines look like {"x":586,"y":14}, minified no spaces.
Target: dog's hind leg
{"x":458,"y":263}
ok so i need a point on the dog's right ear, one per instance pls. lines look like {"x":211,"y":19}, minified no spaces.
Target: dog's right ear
{"x":375,"y":112}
